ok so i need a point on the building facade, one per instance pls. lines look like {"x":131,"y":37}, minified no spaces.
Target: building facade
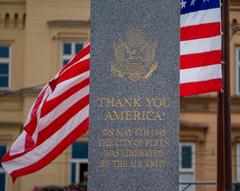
{"x":38,"y":37}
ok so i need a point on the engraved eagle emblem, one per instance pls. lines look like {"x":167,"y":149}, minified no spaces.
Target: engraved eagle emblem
{"x":134,"y":57}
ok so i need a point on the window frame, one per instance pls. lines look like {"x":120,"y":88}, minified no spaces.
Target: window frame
{"x":2,"y":171}
{"x":237,"y":70}
{"x":238,"y":161}
{"x":9,"y":61}
{"x":77,"y":170}
{"x":77,"y":163}
{"x":73,"y":50}
{"x":187,"y":171}
{"x":182,"y":170}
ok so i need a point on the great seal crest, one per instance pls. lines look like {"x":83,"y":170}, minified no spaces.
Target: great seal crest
{"x":134,"y":57}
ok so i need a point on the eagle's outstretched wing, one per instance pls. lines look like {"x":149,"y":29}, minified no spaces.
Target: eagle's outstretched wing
{"x":148,"y":52}
{"x":120,"y":52}
{"x":120,"y":58}
{"x":149,"y":57}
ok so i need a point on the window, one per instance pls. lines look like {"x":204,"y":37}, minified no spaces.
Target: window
{"x":79,"y":162}
{"x":69,"y":50}
{"x":4,"y":66}
{"x":238,"y":162}
{"x":238,"y":70}
{"x":187,"y":164}
{"x":3,"y":178}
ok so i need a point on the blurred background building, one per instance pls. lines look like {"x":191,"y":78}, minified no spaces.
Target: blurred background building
{"x":38,"y":37}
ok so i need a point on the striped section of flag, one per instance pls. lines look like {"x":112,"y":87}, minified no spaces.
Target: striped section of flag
{"x":57,"y":118}
{"x":200,"y":47}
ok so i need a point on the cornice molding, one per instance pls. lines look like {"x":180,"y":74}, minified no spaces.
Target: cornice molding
{"x":206,"y":104}
{"x":12,"y":2}
{"x":10,"y":124}
{"x":195,"y":132}
{"x":69,"y":23}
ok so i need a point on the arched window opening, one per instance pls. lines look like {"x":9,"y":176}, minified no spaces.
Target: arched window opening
{"x":15,"y":20}
{"x":7,"y":19}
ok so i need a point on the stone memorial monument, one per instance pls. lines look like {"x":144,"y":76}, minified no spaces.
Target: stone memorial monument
{"x":134,"y":95}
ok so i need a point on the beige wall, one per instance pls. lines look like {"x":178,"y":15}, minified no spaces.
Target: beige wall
{"x":36,"y":57}
{"x":39,"y":35}
{"x":13,"y":34}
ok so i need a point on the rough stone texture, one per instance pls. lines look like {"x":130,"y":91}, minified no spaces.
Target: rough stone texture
{"x":111,"y":19}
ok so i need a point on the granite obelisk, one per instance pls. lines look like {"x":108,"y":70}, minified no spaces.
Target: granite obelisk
{"x":134,"y":95}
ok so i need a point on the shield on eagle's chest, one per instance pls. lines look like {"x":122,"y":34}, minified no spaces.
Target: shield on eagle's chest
{"x":135,"y":68}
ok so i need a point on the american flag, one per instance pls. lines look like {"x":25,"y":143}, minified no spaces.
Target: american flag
{"x":60,"y":113}
{"x":200,"y":47}
{"x":57,"y":118}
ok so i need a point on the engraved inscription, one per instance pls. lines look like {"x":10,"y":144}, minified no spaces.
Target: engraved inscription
{"x":133,"y":146}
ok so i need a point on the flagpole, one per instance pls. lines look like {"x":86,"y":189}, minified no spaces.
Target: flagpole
{"x":224,"y":182}
{"x":220,"y":144}
{"x":226,"y":100}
